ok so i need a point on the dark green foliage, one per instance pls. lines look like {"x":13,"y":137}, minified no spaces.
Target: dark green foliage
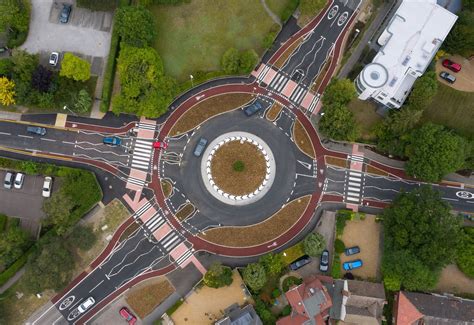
{"x":276,"y":293}
{"x":339,"y":246}
{"x":420,"y":237}
{"x":238,"y":166}
{"x":3,"y":222}
{"x":135,"y":25}
{"x":336,"y":267}
{"x":291,"y":7}
{"x":339,"y":91}
{"x":23,"y":66}
{"x":6,"y":67}
{"x":341,"y":217}
{"x":434,"y":152}
{"x":41,"y":79}
{"x":289,"y":282}
{"x":461,"y":38}
{"x":82,"y":237}
{"x":338,"y":123}
{"x":247,"y":61}
{"x":285,"y":311}
{"x":264,"y":312}
{"x":465,"y":254}
{"x":15,"y":19}
{"x":15,"y":267}
{"x":83,"y":101}
{"x":218,"y":276}
{"x":423,"y":92}
{"x":175,"y":307}
{"x":273,"y":263}
{"x":314,"y":244}
{"x":13,"y":243}
{"x":97,"y":5}
{"x":50,"y":267}
{"x":268,"y":40}
{"x":230,"y":61}
{"x":254,"y":276}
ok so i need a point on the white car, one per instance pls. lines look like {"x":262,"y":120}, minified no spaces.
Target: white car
{"x":53,"y":58}
{"x":48,"y":182}
{"x":19,"y":178}
{"x":86,"y":305}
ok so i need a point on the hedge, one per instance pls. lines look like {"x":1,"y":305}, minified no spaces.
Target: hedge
{"x":339,"y":246}
{"x":3,"y":222}
{"x":175,"y":307}
{"x":336,"y":267}
{"x":15,"y":267}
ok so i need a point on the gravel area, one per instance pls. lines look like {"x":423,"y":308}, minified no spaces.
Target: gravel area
{"x":454,"y":281}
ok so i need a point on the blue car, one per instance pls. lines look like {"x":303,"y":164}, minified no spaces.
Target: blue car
{"x":252,"y":109}
{"x":112,"y":141}
{"x":352,"y":265}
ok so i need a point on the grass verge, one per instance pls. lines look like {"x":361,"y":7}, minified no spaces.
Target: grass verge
{"x":185,"y":212}
{"x":302,"y":139}
{"x":285,"y":55}
{"x":365,"y":116}
{"x":336,"y":161}
{"x":292,"y":253}
{"x":283,"y":8}
{"x":166,"y":187}
{"x":146,"y":296}
{"x":130,"y":230}
{"x":262,"y":232}
{"x":274,"y":111}
{"x":375,"y":171}
{"x":206,"y":109}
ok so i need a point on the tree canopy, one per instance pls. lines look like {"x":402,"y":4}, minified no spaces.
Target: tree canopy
{"x":13,"y":243}
{"x":420,"y":236}
{"x":75,"y":68}
{"x":7,"y":92}
{"x":314,"y":244}
{"x":423,"y":92}
{"x":254,"y":276}
{"x":135,"y":25}
{"x":338,"y":123}
{"x":339,"y":91}
{"x":273,"y":263}
{"x":230,"y":61}
{"x":461,"y":38}
{"x":41,"y":79}
{"x":465,"y":256}
{"x":434,"y":152}
{"x":218,"y":276}
{"x":15,"y":19}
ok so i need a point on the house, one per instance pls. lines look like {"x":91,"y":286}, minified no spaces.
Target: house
{"x":408,"y":45}
{"x":357,"y":302}
{"x":412,"y":308}
{"x":310,"y":302}
{"x":234,"y":315}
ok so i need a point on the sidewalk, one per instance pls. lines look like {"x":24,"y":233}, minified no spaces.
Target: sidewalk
{"x":10,"y":116}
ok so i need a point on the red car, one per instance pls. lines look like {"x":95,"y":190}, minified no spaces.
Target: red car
{"x":453,"y":66}
{"x":128,"y":316}
{"x":160,"y":145}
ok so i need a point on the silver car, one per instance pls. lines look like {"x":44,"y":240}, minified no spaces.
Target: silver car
{"x":8,"y":181}
{"x":200,"y":147}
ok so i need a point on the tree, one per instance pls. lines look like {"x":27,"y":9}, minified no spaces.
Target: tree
{"x":273,"y":263}
{"x":420,"y":236}
{"x":50,"y":268}
{"x":339,"y":91}
{"x":82,"y":237}
{"x":135,"y":25}
{"x":461,"y":38}
{"x":7,"y":93}
{"x":314,"y":244}
{"x":23,"y":66}
{"x":247,"y":61}
{"x":434,"y":152}
{"x":218,"y":276}
{"x":264,"y":312}
{"x":424,"y":91}
{"x":6,"y":67}
{"x":338,"y":123}
{"x":14,"y":19}
{"x":83,"y":102}
{"x":465,"y":256}
{"x":41,"y":79}
{"x":13,"y":243}
{"x":254,"y":276}
{"x":75,"y":68}
{"x":58,"y":209}
{"x":230,"y":61}
{"x":145,"y":91}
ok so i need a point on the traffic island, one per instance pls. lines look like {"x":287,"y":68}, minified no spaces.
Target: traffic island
{"x":302,"y":140}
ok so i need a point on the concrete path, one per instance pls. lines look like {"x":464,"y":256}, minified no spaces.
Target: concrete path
{"x":274,"y":17}
{"x":12,"y":280}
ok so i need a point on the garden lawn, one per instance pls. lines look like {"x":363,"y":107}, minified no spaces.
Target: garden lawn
{"x":193,"y":36}
{"x":365,"y":116}
{"x":282,"y":8}
{"x":452,"y":108}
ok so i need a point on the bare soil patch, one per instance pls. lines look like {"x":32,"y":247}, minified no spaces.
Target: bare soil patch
{"x":166,"y":187}
{"x":144,"y":297}
{"x":208,"y":108}
{"x":453,"y":280}
{"x":375,"y":170}
{"x":262,"y":232}
{"x":238,"y":182}
{"x":302,"y":139}
{"x":274,"y":111}
{"x":285,"y":55}
{"x":366,"y":235}
{"x":335,"y":161}
{"x":185,"y":212}
{"x":321,"y":75}
{"x":130,"y":230}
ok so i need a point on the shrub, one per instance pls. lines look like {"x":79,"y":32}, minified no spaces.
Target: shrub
{"x":285,"y":311}
{"x":135,"y":25}
{"x":16,"y":266}
{"x":238,"y":166}
{"x":341,"y":217}
{"x":175,"y":307}
{"x":339,"y":246}
{"x":465,"y":256}
{"x":336,"y":267}
{"x":254,"y":276}
{"x":290,"y":8}
{"x":289,"y":282}
{"x":3,"y":222}
{"x":276,"y":293}
{"x":97,"y":5}
{"x":314,"y":244}
{"x":82,"y":237}
{"x":218,"y":276}
{"x":75,"y":68}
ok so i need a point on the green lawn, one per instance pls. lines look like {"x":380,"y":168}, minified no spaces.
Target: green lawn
{"x":282,"y":8}
{"x":452,"y":108}
{"x":366,"y":117}
{"x":193,"y":36}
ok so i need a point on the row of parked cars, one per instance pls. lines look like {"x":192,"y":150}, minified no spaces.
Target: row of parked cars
{"x":453,"y":66}
{"x":13,"y":180}
{"x":124,"y":312}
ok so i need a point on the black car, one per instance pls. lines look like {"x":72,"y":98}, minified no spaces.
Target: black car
{"x":352,"y":250}
{"x":324,"y":262}
{"x":299,"y":263}
{"x":65,"y":13}
{"x":252,"y":109}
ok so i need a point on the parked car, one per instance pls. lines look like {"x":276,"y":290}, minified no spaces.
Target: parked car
{"x":352,"y":250}
{"x":112,"y":141}
{"x":8,"y":181}
{"x":448,"y":77}
{"x":299,"y":263}
{"x":86,"y":305}
{"x":324,"y":261}
{"x":19,"y":179}
{"x":200,"y":147}
{"x":3,"y":49}
{"x":453,"y":66}
{"x":36,"y":130}
{"x":128,"y":316}
{"x":160,"y":145}
{"x":65,"y":13}
{"x":352,"y":265}
{"x":252,"y":109}
{"x":47,"y":184}
{"x":53,"y":58}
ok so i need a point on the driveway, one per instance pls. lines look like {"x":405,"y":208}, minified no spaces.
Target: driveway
{"x":464,"y":78}
{"x":86,"y":32}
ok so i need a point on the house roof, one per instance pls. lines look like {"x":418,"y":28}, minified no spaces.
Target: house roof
{"x":366,"y":289}
{"x":438,"y":307}
{"x":406,"y":312}
{"x":240,"y":316}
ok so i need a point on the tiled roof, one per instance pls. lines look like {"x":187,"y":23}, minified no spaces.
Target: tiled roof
{"x":406,"y":312}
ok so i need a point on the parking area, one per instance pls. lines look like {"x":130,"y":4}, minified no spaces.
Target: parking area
{"x":25,"y":203}
{"x":86,"y":32}
{"x":464,"y":78}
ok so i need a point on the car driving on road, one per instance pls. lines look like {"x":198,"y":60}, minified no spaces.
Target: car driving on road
{"x":36,"y":130}
{"x":252,"y":109}
{"x":112,"y":141}
{"x":160,"y":145}
{"x":200,"y":147}
{"x":86,"y":305}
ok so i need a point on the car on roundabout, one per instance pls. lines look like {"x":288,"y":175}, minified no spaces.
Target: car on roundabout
{"x":252,"y":109}
{"x":199,"y":149}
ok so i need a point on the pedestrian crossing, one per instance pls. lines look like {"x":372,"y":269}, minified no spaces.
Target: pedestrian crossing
{"x":170,"y":241}
{"x":183,"y":258}
{"x":279,"y":82}
{"x":147,"y":126}
{"x":142,"y":154}
{"x":298,"y":95}
{"x":353,"y":186}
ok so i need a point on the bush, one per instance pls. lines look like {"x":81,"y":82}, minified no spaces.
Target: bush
{"x":218,"y":276}
{"x":75,"y":68}
{"x":15,"y":19}
{"x":15,"y":267}
{"x":82,"y":237}
{"x":289,"y":282}
{"x":341,"y":217}
{"x":238,"y":166}
{"x":175,"y":307}
{"x":254,"y":276}
{"x":109,"y":74}
{"x":339,"y":246}
{"x":97,"y":5}
{"x":336,"y":267}
{"x":276,"y":293}
{"x":3,"y":222}
{"x":314,"y":244}
{"x":290,"y":8}
{"x":285,"y":311}
{"x":135,"y":25}
{"x":465,"y":256}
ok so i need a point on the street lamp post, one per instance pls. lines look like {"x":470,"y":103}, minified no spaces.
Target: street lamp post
{"x":65,"y":108}
{"x":192,"y":78}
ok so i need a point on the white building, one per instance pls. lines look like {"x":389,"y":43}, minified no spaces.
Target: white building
{"x":409,"y":43}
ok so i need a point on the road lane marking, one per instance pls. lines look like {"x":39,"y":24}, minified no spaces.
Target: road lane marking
{"x":51,"y":140}
{"x":98,"y":284}
{"x":25,"y":136}
{"x":76,"y":303}
{"x":5,"y":133}
{"x":67,"y":142}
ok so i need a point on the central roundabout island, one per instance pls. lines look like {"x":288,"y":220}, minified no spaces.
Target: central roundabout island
{"x":238,"y":168}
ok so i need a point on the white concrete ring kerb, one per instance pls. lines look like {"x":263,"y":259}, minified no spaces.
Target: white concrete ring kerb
{"x":240,"y":199}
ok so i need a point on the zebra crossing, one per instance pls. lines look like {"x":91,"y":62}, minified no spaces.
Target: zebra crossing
{"x":146,"y":126}
{"x":354,"y":181}
{"x":279,"y":82}
{"x":170,"y":241}
{"x":183,"y":258}
{"x":298,"y":95}
{"x":142,"y":154}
